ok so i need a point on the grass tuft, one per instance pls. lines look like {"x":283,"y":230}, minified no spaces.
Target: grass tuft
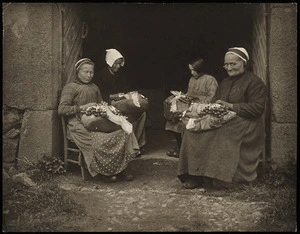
{"x":276,"y":187}
{"x":24,"y":208}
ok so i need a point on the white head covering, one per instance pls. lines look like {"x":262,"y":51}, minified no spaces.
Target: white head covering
{"x":112,"y":55}
{"x":240,"y":52}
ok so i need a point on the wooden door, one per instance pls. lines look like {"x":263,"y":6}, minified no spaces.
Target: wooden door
{"x":260,"y":61}
{"x":71,"y":39}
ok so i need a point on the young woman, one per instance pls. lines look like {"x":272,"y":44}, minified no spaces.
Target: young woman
{"x":201,"y":88}
{"x":106,"y":154}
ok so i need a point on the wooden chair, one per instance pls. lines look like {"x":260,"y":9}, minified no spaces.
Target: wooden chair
{"x":261,"y":165}
{"x":71,"y":152}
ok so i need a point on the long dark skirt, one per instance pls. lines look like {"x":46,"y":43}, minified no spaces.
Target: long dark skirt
{"x":229,"y":153}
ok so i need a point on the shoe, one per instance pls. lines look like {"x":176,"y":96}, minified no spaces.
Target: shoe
{"x":142,"y":151}
{"x":110,"y":179}
{"x":173,"y":153}
{"x":192,"y":183}
{"x":126,"y":176}
{"x":222,"y":185}
{"x":129,"y":177}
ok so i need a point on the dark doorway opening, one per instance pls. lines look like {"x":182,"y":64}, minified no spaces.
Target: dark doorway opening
{"x":158,"y":40}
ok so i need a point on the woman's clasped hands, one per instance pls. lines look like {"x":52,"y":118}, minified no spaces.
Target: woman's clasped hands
{"x":84,"y":107}
{"x":228,"y":105}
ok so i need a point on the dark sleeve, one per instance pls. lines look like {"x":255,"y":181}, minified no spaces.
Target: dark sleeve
{"x":66,"y":106}
{"x":122,"y":83}
{"x":104,"y":81}
{"x":126,"y":85}
{"x":256,"y":96}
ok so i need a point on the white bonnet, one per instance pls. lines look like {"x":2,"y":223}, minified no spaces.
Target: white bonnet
{"x":112,"y":55}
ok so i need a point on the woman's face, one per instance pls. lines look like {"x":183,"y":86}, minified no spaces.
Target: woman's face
{"x":117,"y":65}
{"x":192,"y":70}
{"x":86,"y":73}
{"x":233,"y":65}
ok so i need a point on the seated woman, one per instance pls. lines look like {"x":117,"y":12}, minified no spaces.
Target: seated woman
{"x":201,"y":89}
{"x":230,"y":154}
{"x":110,"y":82}
{"x":106,"y":154}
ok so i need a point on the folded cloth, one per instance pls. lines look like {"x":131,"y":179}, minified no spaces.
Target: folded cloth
{"x":105,"y":118}
{"x":132,"y":102}
{"x":201,"y":117}
{"x":174,"y":106}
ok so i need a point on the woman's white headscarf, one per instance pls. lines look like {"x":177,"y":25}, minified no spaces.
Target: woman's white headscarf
{"x":112,"y":55}
{"x":82,"y":61}
{"x":240,"y":52}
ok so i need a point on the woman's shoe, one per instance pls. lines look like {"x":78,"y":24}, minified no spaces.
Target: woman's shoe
{"x":173,"y":153}
{"x":142,"y":151}
{"x":192,"y":183}
{"x":110,"y":179}
{"x":221,"y":185}
{"x":126,"y":176}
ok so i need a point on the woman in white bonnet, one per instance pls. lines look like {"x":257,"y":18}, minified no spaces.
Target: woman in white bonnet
{"x":111,"y":82}
{"x":108,"y":80}
{"x":230,"y":154}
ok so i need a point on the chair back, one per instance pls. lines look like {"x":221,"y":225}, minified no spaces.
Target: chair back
{"x":64,"y":126}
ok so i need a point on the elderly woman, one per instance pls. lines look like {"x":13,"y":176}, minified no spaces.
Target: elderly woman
{"x":109,"y":82}
{"x":106,"y":154}
{"x":201,"y":89}
{"x":230,"y":154}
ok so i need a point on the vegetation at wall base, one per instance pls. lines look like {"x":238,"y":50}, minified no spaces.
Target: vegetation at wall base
{"x":24,"y":207}
{"x":278,"y":187}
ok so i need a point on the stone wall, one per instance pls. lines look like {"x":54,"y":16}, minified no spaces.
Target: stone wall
{"x":283,"y":82}
{"x":12,"y":121}
{"x":31,"y":79}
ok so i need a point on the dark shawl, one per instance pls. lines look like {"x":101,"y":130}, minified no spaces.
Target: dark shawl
{"x":110,"y":84}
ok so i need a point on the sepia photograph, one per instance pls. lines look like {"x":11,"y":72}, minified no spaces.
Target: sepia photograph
{"x":149,"y":117}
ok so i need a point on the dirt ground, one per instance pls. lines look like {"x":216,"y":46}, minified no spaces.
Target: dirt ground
{"x":156,"y":201}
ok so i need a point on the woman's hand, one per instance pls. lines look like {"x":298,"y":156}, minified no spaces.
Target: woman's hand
{"x":227,"y":104}
{"x":83,"y":107}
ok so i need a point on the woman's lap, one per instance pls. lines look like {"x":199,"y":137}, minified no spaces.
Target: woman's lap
{"x":217,"y":154}
{"x":115,"y":148}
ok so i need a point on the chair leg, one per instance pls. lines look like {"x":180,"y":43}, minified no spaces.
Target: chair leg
{"x":66,"y":160}
{"x":84,"y":171}
{"x":85,"y":174}
{"x":261,"y":165}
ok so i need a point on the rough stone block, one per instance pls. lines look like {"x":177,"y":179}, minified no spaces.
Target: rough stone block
{"x":10,"y":120}
{"x":30,"y":64}
{"x":23,"y":178}
{"x":10,"y":149}
{"x":12,"y":133}
{"x":283,"y":63}
{"x":283,"y":143}
{"x":5,"y":175}
{"x":39,"y":134}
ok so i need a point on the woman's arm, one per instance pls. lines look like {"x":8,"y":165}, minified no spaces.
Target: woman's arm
{"x":66,"y":106}
{"x":256,"y":96}
{"x":212,"y":86}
